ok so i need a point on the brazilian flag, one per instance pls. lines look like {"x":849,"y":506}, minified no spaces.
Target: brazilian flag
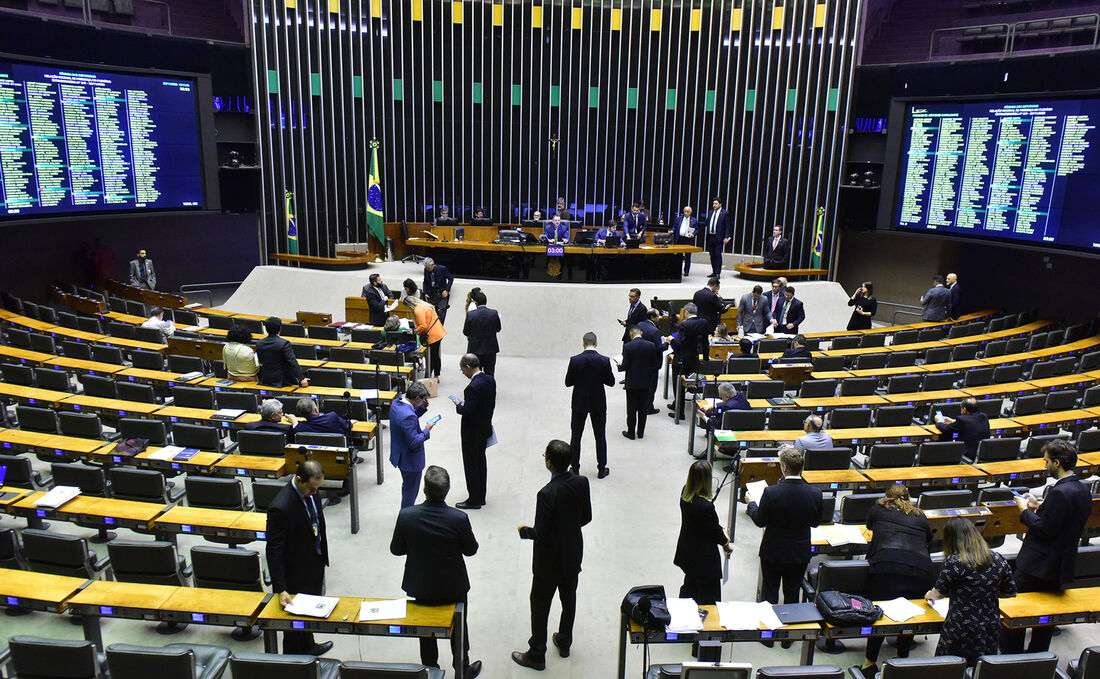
{"x":374,"y":197}
{"x":819,"y":239}
{"x":291,"y":224}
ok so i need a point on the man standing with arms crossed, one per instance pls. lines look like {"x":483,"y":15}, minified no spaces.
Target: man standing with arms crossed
{"x":563,"y":506}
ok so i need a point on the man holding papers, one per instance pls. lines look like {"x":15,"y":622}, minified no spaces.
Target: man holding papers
{"x":563,"y":506}
{"x":786,"y":512}
{"x":297,"y":548}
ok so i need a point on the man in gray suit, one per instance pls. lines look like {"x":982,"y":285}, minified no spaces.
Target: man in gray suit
{"x":936,"y":301}
{"x":752,"y":312}
{"x":142,"y":273}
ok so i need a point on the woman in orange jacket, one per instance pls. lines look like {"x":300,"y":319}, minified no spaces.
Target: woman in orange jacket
{"x":430,"y":330}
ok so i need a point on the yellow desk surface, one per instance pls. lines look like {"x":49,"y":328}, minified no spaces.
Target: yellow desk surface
{"x":173,"y":413}
{"x":957,"y":472}
{"x":1064,"y":416}
{"x":50,"y":589}
{"x":1068,"y":602}
{"x":215,"y":602}
{"x":741,"y":377}
{"x":27,"y":322}
{"x":1091,"y":459}
{"x":33,"y":393}
{"x":81,"y":365}
{"x":861,"y":434}
{"x":888,"y":372}
{"x":241,"y":386}
{"x":339,"y":392}
{"x":77,"y":334}
{"x":827,"y":477}
{"x":364,"y":428}
{"x":124,"y":509}
{"x":417,"y":616}
{"x":274,"y":465}
{"x":830,"y":374}
{"x":365,"y":367}
{"x":123,"y":595}
{"x":840,"y":401}
{"x":199,"y":516}
{"x":19,"y":494}
{"x":75,"y":444}
{"x":1002,"y":425}
{"x":1012,"y":468}
{"x":252,"y":522}
{"x":24,"y":354}
{"x":202,"y":460}
{"x":929,"y":616}
{"x":712,"y":623}
{"x":1008,"y":389}
{"x":926,"y":396}
{"x":112,"y":404}
{"x":124,"y":318}
{"x":18,"y":437}
{"x":1064,"y":381}
{"x":164,"y":376}
{"x":136,"y":344}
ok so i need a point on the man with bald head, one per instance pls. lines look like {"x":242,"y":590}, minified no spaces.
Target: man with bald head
{"x":815,"y":438}
{"x":684,"y":227}
{"x":953,"y":287}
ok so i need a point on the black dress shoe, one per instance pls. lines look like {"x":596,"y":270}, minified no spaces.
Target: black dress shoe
{"x":670,"y":406}
{"x":321,"y":649}
{"x":468,"y":505}
{"x":473,"y":670}
{"x":563,"y":651}
{"x":525,"y":660}
{"x":628,"y":435}
{"x":654,"y":411}
{"x":603,"y":473}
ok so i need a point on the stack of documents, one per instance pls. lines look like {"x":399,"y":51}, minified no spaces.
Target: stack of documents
{"x":368,"y":394}
{"x":685,"y":616}
{"x":57,"y":497}
{"x":387,"y":609}
{"x":941,"y":606}
{"x":901,"y":609}
{"x":747,"y":615}
{"x":227,"y":413}
{"x":838,"y":534}
{"x":312,"y":606}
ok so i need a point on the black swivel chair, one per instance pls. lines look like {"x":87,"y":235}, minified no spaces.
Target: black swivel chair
{"x":197,"y":436}
{"x":21,"y":474}
{"x":187,"y":661}
{"x":153,"y":430}
{"x":81,"y":425}
{"x":38,"y":658}
{"x":939,"y":667}
{"x":817,"y":389}
{"x":11,"y":550}
{"x":1015,"y":666}
{"x":850,"y":418}
{"x":1087,"y":666}
{"x":271,"y":666}
{"x":378,"y":670}
{"x":269,"y":443}
{"x":237,"y":400}
{"x":216,"y":493}
{"x":51,"y":378}
{"x":150,"y":563}
{"x":32,"y":418}
{"x":57,"y":554}
{"x":230,"y":568}
{"x":142,"y":485}
{"x":193,"y":397}
{"x":800,"y":672}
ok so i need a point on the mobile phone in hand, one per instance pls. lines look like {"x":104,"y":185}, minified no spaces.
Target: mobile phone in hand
{"x":453,"y":398}
{"x":435,"y":419}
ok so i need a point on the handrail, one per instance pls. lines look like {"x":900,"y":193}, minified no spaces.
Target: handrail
{"x":1009,"y":36}
{"x":196,"y":288}
{"x":918,"y":311}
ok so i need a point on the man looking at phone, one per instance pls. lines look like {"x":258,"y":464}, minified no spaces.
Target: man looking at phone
{"x":476,"y":408}
{"x":407,"y":439}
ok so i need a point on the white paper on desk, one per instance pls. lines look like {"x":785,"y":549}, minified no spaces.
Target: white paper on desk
{"x":735,"y":615}
{"x":756,"y":489}
{"x":368,"y":394}
{"x":754,"y":336}
{"x":166,"y":453}
{"x":56,"y":497}
{"x":846,"y":534}
{"x":941,"y":606}
{"x":684,"y":614}
{"x":312,"y":606}
{"x":387,"y":609}
{"x":900,"y":609}
{"x":767,"y":615}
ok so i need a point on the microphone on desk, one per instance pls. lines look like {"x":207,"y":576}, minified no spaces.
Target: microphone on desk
{"x":347,"y":404}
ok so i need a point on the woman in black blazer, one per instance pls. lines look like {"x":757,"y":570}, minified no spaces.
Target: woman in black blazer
{"x":700,"y":536}
{"x":898,"y":555}
{"x":865,"y":307}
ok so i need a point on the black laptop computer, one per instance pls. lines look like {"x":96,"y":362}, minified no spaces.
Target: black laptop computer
{"x":797,"y":614}
{"x":612,"y":241}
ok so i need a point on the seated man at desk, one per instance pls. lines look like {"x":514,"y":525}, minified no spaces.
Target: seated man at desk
{"x":731,"y":399}
{"x":971,"y":426}
{"x":747,"y":349}
{"x":312,"y":421}
{"x":278,"y":364}
{"x":797,"y":353}
{"x":273,"y":419}
{"x":156,"y":320}
{"x":815,"y":438}
{"x":555,"y":230}
{"x":605,"y":231}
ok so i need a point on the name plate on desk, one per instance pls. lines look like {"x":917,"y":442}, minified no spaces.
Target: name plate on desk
{"x":555,"y":250}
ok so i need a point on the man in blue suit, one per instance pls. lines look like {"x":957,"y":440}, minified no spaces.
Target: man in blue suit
{"x":717,"y":235}
{"x":555,"y":230}
{"x":605,"y":231}
{"x":684,"y":228}
{"x":407,"y":439}
{"x":588,"y":373}
{"x":634,"y":222}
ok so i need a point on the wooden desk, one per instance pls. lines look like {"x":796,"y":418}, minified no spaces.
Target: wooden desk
{"x":1031,"y":609}
{"x":831,"y":402}
{"x":213,"y":606}
{"x":255,"y":466}
{"x":1071,"y":418}
{"x":1062,"y":381}
{"x":249,"y":526}
{"x":1002,"y":426}
{"x":65,"y":448}
{"x":108,"y":599}
{"x":1004,"y":519}
{"x":400,"y":370}
{"x":198,"y":521}
{"x":1014,"y":470}
{"x":922,"y":397}
{"x":23,"y":356}
{"x":929,"y":622}
{"x":201,"y":463}
{"x":14,"y":495}
{"x":88,"y":510}
{"x":202,"y":416}
{"x":136,"y":344}
{"x":835,"y":479}
{"x":78,"y":335}
{"x":32,"y":395}
{"x":434,"y":622}
{"x":84,"y":367}
{"x":124,"y":318}
{"x":261,"y":389}
{"x":889,"y":372}
{"x":108,"y":406}
{"x":158,"y":378}
{"x":37,"y":591}
{"x":867,"y":435}
{"x":946,"y":475}
{"x":17,"y":440}
{"x":1008,"y":390}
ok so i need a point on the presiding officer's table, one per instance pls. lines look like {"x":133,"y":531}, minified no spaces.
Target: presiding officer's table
{"x":568,"y":264}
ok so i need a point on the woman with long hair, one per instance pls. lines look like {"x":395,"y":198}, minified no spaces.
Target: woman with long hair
{"x":865,"y":307}
{"x":240,"y":360}
{"x":974,"y":577}
{"x":899,"y":561}
{"x":430,"y":329}
{"x":700,"y":537}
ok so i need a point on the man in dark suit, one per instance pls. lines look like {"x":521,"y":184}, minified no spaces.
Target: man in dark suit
{"x":642,"y":364}
{"x":684,"y":226}
{"x":731,"y":399}
{"x":563,"y":506}
{"x":273,"y":419}
{"x":786,"y":511}
{"x":635,"y":314}
{"x":798,"y":351}
{"x":297,"y":548}
{"x":377,"y":295}
{"x":773,"y":299}
{"x":752,"y":315}
{"x":709,"y":304}
{"x":278,"y":365}
{"x":791,"y":313}
{"x":434,"y":537}
{"x":479,"y":400}
{"x":312,"y":421}
{"x":588,"y":373}
{"x":1054,"y":527}
{"x":481,"y":328}
{"x":691,"y":340}
{"x":972,"y":427}
{"x":777,"y":250}
{"x":634,"y":221}
{"x":437,"y":287}
{"x":717,"y":235}
{"x":652,"y":333}
{"x":142,"y":273}
{"x":954,"y":311}
{"x":936,"y":301}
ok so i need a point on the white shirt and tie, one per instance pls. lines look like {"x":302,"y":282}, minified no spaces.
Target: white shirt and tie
{"x":713,"y":228}
{"x":685,"y":228}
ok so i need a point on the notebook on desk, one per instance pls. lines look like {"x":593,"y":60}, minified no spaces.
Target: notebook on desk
{"x":797,"y":614}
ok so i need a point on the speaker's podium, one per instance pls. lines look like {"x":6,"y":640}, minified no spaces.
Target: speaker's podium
{"x":791,"y":373}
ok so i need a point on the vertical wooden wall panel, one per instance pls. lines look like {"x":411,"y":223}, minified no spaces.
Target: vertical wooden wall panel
{"x":672,"y":103}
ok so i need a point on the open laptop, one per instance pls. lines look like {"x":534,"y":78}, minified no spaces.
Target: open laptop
{"x":612,"y":241}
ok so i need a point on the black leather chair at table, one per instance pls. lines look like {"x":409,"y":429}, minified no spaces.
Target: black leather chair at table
{"x":1088,"y":441}
{"x":850,"y":418}
{"x":870,"y":361}
{"x":193,"y":397}
{"x":937,"y":355}
{"x":269,"y":443}
{"x":325,"y":332}
{"x":782,"y":419}
{"x":135,"y":391}
{"x":1015,"y":666}
{"x":818,"y":389}
{"x":271,"y":666}
{"x":939,"y":381}
{"x":347,"y":355}
{"x":887,"y":455}
{"x":11,"y":550}
{"x":903,"y":384}
{"x":97,"y":386}
{"x":150,"y":563}
{"x":142,"y":485}
{"x":939,"y":453}
{"x":327,"y":377}
{"x":876,"y":340}
{"x":21,"y":375}
{"x":894,"y":416}
{"x":719,"y":670}
{"x":51,"y":378}
{"x":998,"y":450}
{"x":230,"y":568}
{"x":197,"y":436}
{"x":801,"y":672}
{"x":305,"y":352}
{"x":185,"y":364}
{"x":378,"y":670}
{"x":91,"y":481}
{"x":842,"y":343}
{"x":827,"y":363}
{"x":939,"y":667}
{"x":901,"y":359}
{"x":22,"y":474}
{"x":851,"y":576}
{"x":855,"y":507}
{"x":765,"y":389}
{"x":81,"y":425}
{"x":990,"y":407}
{"x":107,"y":354}
{"x":824,"y":459}
{"x":291,"y":330}
{"x":1087,"y":665}
{"x":39,"y":658}
{"x":183,"y":661}
{"x":151,"y":335}
{"x":945,"y":499}
{"x":1034,"y":446}
{"x":78,"y":350}
{"x":216,"y":493}
{"x":858,"y":386}
{"x":264,"y":492}
{"x":365,"y":380}
{"x":33,"y":418}
{"x":744,"y":420}
{"x":152,"y":430}
{"x":237,"y":400}
{"x":366,"y":335}
{"x":58,"y":554}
